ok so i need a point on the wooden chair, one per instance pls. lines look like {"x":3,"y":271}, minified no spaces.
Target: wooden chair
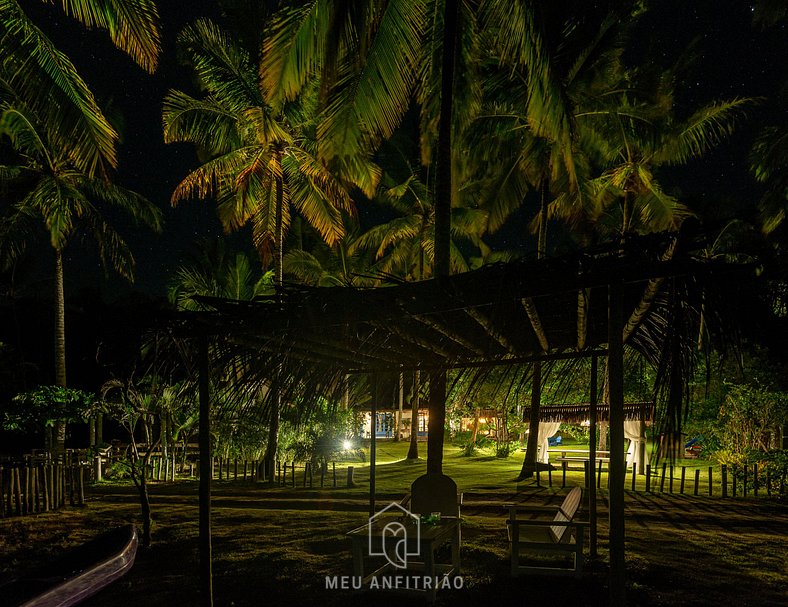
{"x":561,"y":536}
{"x":434,"y":492}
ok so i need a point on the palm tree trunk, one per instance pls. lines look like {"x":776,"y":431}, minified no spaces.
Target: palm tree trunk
{"x":532,"y":446}
{"x":272,"y":445}
{"x":475,"y":433}
{"x":626,"y":219}
{"x":443,"y":178}
{"x":60,"y":347}
{"x":541,"y":244}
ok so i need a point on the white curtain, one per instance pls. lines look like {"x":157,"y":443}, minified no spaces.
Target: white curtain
{"x":635,"y":431}
{"x":546,"y":430}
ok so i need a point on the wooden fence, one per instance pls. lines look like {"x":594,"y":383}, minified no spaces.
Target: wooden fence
{"x":285,"y":474}
{"x":720,"y":481}
{"x":29,"y":488}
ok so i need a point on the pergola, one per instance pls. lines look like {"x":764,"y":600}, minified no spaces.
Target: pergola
{"x":586,"y":304}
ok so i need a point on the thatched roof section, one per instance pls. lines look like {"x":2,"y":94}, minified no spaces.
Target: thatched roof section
{"x":579,"y":413}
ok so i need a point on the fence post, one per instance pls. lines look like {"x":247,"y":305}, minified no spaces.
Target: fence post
{"x":755,"y":479}
{"x":599,"y":476}
{"x":670,"y":483}
{"x":724,"y":475}
{"x":310,"y":474}
{"x":734,"y":480}
{"x":81,"y":478}
{"x":28,"y":503}
{"x":697,"y":481}
{"x":37,"y":503}
{"x":350,"y":482}
{"x":634,"y":474}
{"x":662,"y":480}
{"x":306,"y":471}
{"x":45,"y":487}
{"x":588,"y":477}
{"x":648,"y":478}
{"x":563,"y":475}
{"x":71,"y":477}
{"x":744,"y":489}
{"x":711,"y":485}
{"x":683,"y":476}
{"x":17,"y":493}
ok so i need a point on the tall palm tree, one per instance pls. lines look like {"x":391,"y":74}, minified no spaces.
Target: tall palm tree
{"x":262,"y":165}
{"x":36,"y":70}
{"x":405,"y":246}
{"x":55,"y":194}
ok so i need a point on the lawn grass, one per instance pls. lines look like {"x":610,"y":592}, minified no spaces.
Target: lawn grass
{"x":275,"y":546}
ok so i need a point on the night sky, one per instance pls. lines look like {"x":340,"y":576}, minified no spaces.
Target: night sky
{"x":734,"y":60}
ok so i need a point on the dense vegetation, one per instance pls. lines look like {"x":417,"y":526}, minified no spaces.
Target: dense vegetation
{"x":315,"y":131}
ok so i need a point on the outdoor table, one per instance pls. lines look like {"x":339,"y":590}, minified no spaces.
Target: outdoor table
{"x":430,"y":537}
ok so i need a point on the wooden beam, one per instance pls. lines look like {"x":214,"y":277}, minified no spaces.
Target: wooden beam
{"x":583,"y":296}
{"x":488,"y":326}
{"x":617,"y":465}
{"x":206,"y":472}
{"x":436,"y":325}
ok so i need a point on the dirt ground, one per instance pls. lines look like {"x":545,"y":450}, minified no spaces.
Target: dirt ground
{"x":276,"y":547}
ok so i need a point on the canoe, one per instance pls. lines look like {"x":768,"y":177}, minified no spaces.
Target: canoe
{"x":78,"y":574}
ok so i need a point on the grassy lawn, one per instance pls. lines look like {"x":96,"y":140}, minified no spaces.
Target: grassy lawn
{"x":276,"y":545}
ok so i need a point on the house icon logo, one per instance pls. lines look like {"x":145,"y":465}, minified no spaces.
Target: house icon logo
{"x":395,"y":538}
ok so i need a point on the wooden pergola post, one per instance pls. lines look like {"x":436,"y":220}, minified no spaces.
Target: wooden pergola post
{"x":372,"y":442}
{"x":437,"y":421}
{"x":617,"y":465}
{"x":206,"y":461}
{"x":591,"y":461}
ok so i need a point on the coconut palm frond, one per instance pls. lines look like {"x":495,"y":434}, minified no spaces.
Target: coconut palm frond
{"x":204,"y":122}
{"x":702,"y":131}
{"x":372,"y":100}
{"x":293,"y":50}
{"x":211,"y":176}
{"x":113,"y":250}
{"x":135,"y":206}
{"x":133,"y":25}
{"x":40,"y":73}
{"x":223,"y":67}
{"x":24,"y":135}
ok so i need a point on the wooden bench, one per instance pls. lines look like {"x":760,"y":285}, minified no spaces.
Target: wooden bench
{"x":560,"y":536}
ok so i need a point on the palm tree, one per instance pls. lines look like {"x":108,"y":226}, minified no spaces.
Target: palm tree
{"x":405,"y":246}
{"x":213,"y":272}
{"x":36,"y":70}
{"x":263,"y":166}
{"x":67,"y":202}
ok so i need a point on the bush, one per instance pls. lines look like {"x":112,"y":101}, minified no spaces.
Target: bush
{"x":119,"y":470}
{"x":504,"y":449}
